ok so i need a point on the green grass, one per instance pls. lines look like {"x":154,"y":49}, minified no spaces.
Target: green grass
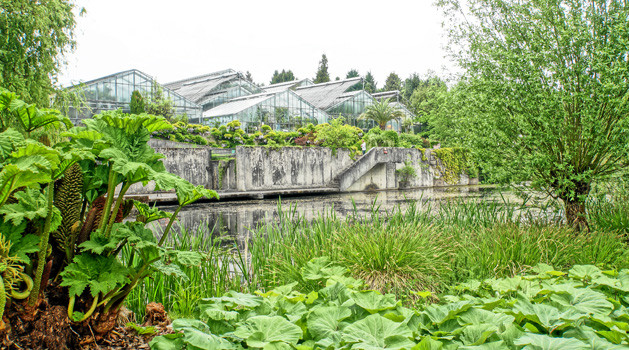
{"x":215,"y":276}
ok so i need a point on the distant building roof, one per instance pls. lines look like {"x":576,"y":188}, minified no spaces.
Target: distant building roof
{"x":287,"y":85}
{"x":324,"y":95}
{"x":204,"y":88}
{"x":238,"y":104}
{"x":177,"y":84}
{"x":386,"y":94}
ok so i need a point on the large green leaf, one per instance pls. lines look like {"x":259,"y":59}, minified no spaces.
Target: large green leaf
{"x":377,"y":332}
{"x":326,"y":320}
{"x":373,"y":301}
{"x":585,"y":301}
{"x":261,"y":331}
{"x":10,"y":139}
{"x":532,"y":341}
{"x":31,"y":204}
{"x":100,"y":273}
{"x":585,"y":271}
{"x":479,"y":316}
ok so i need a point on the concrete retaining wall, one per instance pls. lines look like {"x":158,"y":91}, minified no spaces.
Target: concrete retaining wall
{"x":266,"y":169}
{"x":261,"y":168}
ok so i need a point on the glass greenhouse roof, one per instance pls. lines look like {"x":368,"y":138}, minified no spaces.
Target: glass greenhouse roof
{"x":324,"y":95}
{"x":213,"y":89}
{"x":282,"y":110}
{"x":287,"y":85}
{"x":114,"y":92}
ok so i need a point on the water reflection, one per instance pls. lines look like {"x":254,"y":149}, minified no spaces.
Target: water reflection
{"x":237,"y":218}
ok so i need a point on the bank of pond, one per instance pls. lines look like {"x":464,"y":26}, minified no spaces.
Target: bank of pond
{"x":458,"y":274}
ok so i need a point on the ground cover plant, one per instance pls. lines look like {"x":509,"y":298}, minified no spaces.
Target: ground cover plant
{"x":585,"y":308}
{"x":62,"y":205}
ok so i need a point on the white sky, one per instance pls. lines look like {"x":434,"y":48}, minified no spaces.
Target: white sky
{"x":172,"y":40}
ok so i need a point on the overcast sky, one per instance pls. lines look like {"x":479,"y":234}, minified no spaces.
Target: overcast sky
{"x":176,"y":39}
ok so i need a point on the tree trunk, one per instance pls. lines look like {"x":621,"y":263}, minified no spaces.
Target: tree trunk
{"x":575,"y":214}
{"x":574,"y":203}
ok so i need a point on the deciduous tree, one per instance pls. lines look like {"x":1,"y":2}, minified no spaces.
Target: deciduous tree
{"x":546,"y":83}
{"x":35,"y":35}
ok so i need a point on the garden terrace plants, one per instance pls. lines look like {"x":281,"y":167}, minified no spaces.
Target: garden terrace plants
{"x":585,"y":308}
{"x":45,"y":193}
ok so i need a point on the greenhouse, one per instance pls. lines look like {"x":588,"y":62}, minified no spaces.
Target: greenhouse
{"x":114,"y":92}
{"x":213,"y":89}
{"x":284,"y":110}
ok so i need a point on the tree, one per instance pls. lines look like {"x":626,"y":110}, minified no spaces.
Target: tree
{"x":382,"y":112}
{"x":410,"y":84}
{"x":393,"y":82}
{"x":35,"y":37}
{"x":353,"y":73}
{"x":424,"y":99}
{"x":158,"y":104}
{"x":282,"y":77}
{"x":546,"y":82}
{"x":322,"y":73}
{"x":370,"y":83}
{"x":248,"y":77}
{"x":137,"y":103}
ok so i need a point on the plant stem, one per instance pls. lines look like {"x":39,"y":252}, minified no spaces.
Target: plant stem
{"x":170,"y":224}
{"x":43,"y":249}
{"x":114,"y":213}
{"x":111,"y":187}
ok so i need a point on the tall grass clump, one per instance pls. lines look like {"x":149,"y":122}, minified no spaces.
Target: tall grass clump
{"x":608,"y":206}
{"x":180,"y":293}
{"x":427,"y":248}
{"x":508,"y":249}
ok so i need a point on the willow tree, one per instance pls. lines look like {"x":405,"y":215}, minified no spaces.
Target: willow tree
{"x":547,"y":85}
{"x":35,"y":35}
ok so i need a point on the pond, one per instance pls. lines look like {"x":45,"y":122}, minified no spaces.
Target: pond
{"x":238,"y":218}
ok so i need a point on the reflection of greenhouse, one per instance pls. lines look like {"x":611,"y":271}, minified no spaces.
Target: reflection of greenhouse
{"x":220,"y":97}
{"x":114,"y":92}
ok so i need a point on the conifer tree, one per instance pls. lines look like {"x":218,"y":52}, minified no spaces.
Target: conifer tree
{"x":322,"y":73}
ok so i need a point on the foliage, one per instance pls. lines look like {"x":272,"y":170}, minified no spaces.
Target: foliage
{"x":406,"y":172}
{"x":393,"y":82}
{"x":157,"y":104}
{"x":551,"y":96}
{"x":322,"y":75}
{"x":36,"y":36}
{"x":425,"y":99}
{"x":474,"y":240}
{"x":382,"y":112}
{"x":585,"y":308}
{"x":410,"y":84}
{"x":336,"y":134}
{"x":353,"y":73}
{"x":137,"y":103}
{"x":42,"y":189}
{"x":184,"y":132}
{"x":370,"y":84}
{"x":455,"y":161}
{"x":282,"y":77}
